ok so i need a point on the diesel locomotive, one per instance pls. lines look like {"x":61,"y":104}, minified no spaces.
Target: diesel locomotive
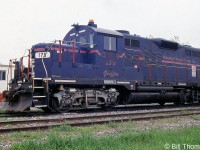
{"x":96,"y":67}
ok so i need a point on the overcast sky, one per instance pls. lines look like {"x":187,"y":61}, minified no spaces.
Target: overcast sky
{"x":24,"y":23}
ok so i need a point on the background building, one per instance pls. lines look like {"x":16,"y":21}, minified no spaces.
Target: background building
{"x":6,"y":73}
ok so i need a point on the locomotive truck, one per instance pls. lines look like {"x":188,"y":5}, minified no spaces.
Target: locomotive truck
{"x":96,"y":67}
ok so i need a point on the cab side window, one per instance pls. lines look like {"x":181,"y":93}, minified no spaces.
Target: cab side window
{"x":82,"y":40}
{"x":110,"y":43}
{"x":91,"y":40}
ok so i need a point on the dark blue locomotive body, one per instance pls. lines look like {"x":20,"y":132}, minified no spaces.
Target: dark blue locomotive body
{"x":99,"y":67}
{"x":106,"y":54}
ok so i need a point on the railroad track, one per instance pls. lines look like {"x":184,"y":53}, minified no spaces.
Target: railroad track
{"x":30,"y":125}
{"x":24,"y":114}
{"x":80,"y":111}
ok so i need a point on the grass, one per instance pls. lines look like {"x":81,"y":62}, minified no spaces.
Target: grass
{"x":112,"y":124}
{"x":5,"y":111}
{"x":2,"y":111}
{"x":64,"y":130}
{"x":127,"y":140}
{"x":195,"y":117}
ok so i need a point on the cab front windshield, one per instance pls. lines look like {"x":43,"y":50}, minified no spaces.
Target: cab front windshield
{"x":83,"y":40}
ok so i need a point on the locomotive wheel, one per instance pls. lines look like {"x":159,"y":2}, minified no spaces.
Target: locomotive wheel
{"x":57,"y":107}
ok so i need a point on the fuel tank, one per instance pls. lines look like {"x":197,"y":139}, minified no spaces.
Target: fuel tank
{"x":152,"y":97}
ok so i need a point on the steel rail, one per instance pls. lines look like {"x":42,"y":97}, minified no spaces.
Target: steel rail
{"x":91,"y":120}
{"x":64,"y":119}
{"x":95,"y":109}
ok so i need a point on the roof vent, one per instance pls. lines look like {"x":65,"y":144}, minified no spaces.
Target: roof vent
{"x":91,"y":23}
{"x":187,"y":45}
{"x":123,"y":31}
{"x":162,"y":43}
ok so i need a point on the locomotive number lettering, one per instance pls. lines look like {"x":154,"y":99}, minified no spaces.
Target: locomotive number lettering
{"x":42,"y":55}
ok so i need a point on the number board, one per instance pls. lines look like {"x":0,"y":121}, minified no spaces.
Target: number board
{"x":42,"y":55}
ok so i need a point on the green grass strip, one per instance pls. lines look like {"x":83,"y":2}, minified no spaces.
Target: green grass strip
{"x":128,"y":140}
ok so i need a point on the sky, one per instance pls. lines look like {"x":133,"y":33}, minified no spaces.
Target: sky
{"x":24,"y":23}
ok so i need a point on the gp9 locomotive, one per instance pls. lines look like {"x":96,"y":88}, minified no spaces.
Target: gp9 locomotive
{"x":95,"y":67}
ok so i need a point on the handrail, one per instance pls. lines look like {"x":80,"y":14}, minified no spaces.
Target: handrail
{"x":29,"y":61}
{"x":73,"y":55}
{"x":75,"y":42}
